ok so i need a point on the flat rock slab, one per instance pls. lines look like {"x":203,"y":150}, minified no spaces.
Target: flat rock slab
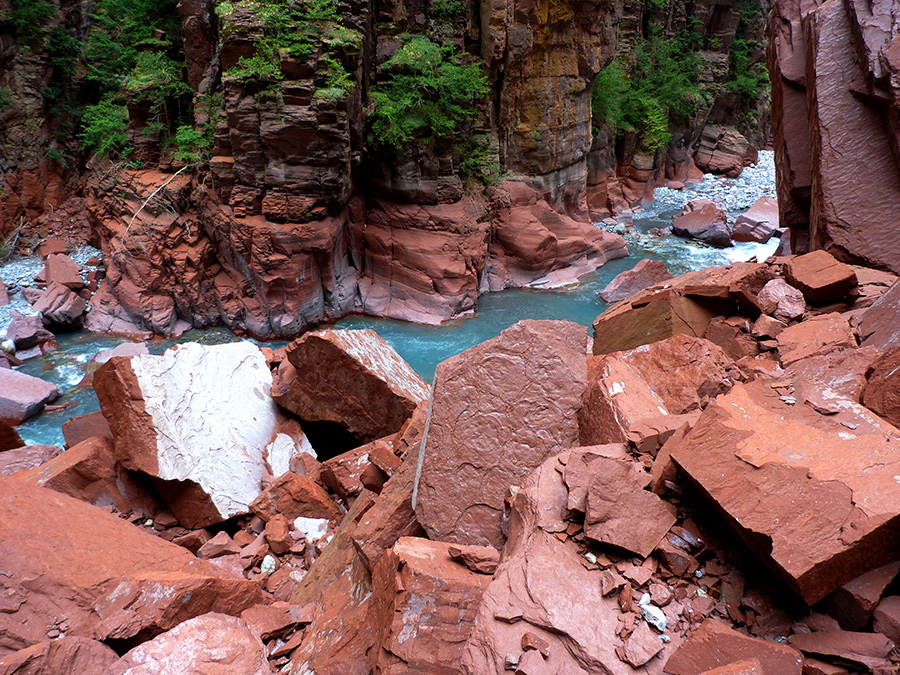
{"x":714,"y":645}
{"x":820,"y":277}
{"x":646,"y":273}
{"x":174,"y":418}
{"x":499,"y":409}
{"x":620,"y":512}
{"x":66,"y":561}
{"x":818,"y":336}
{"x":806,"y":477}
{"x":422,"y":608}
{"x":212,"y":644}
{"x":23,"y":396}
{"x":352,"y":377}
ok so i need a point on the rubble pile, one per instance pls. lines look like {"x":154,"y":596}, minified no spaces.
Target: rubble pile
{"x":708,"y":485}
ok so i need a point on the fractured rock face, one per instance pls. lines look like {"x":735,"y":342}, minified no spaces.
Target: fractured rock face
{"x":805,"y":476}
{"x":198,"y":415}
{"x":882,"y":391}
{"x":65,"y":560}
{"x":212,"y":644}
{"x":499,"y":409}
{"x":352,"y":377}
{"x":542,"y":587}
{"x":423,"y":607}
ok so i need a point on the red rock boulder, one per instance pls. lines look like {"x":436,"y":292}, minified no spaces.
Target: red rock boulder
{"x":879,"y":325}
{"x":423,"y":607}
{"x":705,"y":221}
{"x":212,"y":644}
{"x":882,"y":390}
{"x":173,"y":419}
{"x":351,"y":377}
{"x":781,"y":300}
{"x":646,"y":273}
{"x":23,"y":396}
{"x":71,"y":567}
{"x":64,"y":655}
{"x":62,"y":269}
{"x":499,"y":409}
{"x":820,"y":277}
{"x":60,"y":306}
{"x":26,"y":457}
{"x":758,"y":223}
{"x":722,"y":150}
{"x":790,"y":465}
{"x":714,"y":645}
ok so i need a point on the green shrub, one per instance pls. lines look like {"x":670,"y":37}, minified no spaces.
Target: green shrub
{"x":424,"y":90}
{"x":192,"y":145}
{"x":104,"y":125}
{"x":745,"y":78}
{"x":29,"y":17}
{"x":662,"y":82}
{"x":447,"y":9}
{"x":6,"y":97}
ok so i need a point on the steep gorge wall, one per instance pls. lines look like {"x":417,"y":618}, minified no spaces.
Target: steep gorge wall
{"x":836,"y":117}
{"x":300,"y":216}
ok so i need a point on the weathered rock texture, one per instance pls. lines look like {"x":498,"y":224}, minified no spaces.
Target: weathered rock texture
{"x":763,"y":453}
{"x":70,"y":564}
{"x":352,"y":377}
{"x":835,"y":110}
{"x":174,"y":418}
{"x":499,"y":410}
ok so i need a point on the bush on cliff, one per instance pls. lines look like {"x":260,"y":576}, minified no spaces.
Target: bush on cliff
{"x":424,"y":90}
{"x":661,"y":81}
{"x":104,"y":126}
{"x":29,"y":17}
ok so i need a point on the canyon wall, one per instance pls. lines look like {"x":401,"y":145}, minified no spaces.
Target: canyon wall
{"x":836,"y":118}
{"x":302,"y":209}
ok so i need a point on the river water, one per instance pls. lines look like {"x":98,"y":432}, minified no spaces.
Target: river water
{"x":426,"y":346}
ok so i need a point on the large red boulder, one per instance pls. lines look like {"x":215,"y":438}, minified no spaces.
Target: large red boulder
{"x":791,"y":465}
{"x":423,"y":607}
{"x":646,"y":273}
{"x":211,"y":644}
{"x":23,"y":396}
{"x":818,"y":336}
{"x":60,"y":306}
{"x":351,"y":377}
{"x":879,"y":325}
{"x":703,"y":220}
{"x":71,"y":567}
{"x":61,"y":269}
{"x":722,"y":150}
{"x":65,"y":655}
{"x":172,"y":419}
{"x":714,"y":645}
{"x":499,"y":409}
{"x":758,"y":223}
{"x":820,"y":277}
{"x":88,"y":471}
{"x":680,"y":368}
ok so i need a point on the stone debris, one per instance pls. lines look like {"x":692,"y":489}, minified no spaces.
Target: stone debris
{"x":547,"y":510}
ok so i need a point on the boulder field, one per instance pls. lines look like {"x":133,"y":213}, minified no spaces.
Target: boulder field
{"x":712,"y":491}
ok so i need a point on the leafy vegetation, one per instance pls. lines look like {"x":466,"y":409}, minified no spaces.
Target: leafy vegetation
{"x":29,"y":17}
{"x":297,"y":28}
{"x":662,"y":83}
{"x":104,"y":126}
{"x":746,"y":78}
{"x":424,"y":90}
